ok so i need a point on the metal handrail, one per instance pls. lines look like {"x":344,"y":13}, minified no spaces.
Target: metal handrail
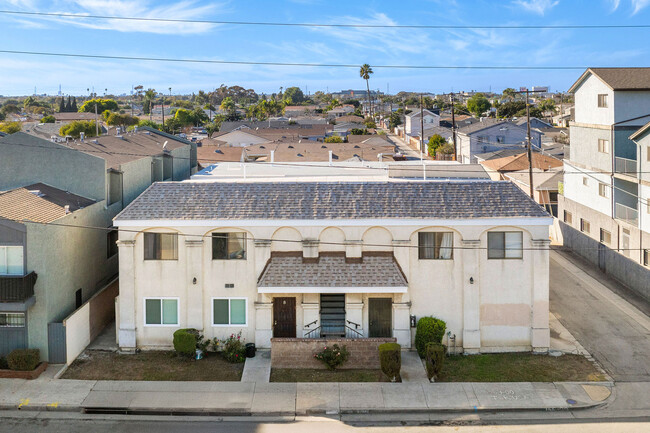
{"x":352,"y":333}
{"x":356,"y":325}
{"x":312,"y":323}
{"x":314,"y":333}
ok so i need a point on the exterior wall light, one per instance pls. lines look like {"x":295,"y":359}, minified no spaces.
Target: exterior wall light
{"x":471,"y":280}
{"x":194,"y":280}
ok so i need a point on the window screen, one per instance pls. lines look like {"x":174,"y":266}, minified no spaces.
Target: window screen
{"x":160,"y":246}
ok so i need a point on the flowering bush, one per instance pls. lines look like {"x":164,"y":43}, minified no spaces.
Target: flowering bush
{"x":333,"y":356}
{"x":233,"y":348}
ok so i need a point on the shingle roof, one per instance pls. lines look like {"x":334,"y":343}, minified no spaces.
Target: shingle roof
{"x":40,"y":203}
{"x":520,"y":162}
{"x":332,"y":271}
{"x":330,"y":200}
{"x":618,"y":78}
{"x":484,"y":124}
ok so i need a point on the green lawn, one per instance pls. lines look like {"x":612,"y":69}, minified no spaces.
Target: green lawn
{"x":152,"y":365}
{"x":314,"y":375}
{"x":518,"y":367}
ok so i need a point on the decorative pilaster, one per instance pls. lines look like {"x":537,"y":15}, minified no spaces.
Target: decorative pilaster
{"x":310,"y":248}
{"x":353,"y":248}
{"x":471,"y":296}
{"x":194,"y":278}
{"x":126,"y":339}
{"x":262,"y":252}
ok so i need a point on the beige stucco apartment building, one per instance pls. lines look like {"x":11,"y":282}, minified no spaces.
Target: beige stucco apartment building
{"x":344,"y":259}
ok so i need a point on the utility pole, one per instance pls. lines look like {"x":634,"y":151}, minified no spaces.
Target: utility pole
{"x":530,"y":152}
{"x":96,"y":122}
{"x":421,"y":125}
{"x":453,"y":124}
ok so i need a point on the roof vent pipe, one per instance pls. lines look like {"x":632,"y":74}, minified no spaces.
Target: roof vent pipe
{"x":330,"y":157}
{"x":66,"y":209}
{"x":82,"y":135}
{"x":272,"y":156}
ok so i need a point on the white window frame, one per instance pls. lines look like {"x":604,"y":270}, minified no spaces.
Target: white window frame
{"x":603,"y":145}
{"x":604,"y":97}
{"x":603,"y":189}
{"x":15,"y":313}
{"x":6,"y":263}
{"x":161,"y":325}
{"x":229,"y":298}
{"x":585,"y":181}
{"x":505,"y":248}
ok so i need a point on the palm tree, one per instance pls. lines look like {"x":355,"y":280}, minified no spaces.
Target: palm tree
{"x":364,"y":72}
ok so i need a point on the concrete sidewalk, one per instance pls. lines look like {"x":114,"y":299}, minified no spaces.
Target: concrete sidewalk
{"x":282,"y":399}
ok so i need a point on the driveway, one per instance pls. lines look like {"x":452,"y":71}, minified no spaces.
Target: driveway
{"x":613,"y":330}
{"x":406,"y":150}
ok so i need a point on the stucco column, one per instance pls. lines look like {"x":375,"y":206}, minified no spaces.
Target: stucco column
{"x":194,"y":278}
{"x":262,"y":253}
{"x":127,"y":325}
{"x":263,"y":327}
{"x":354,"y":312}
{"x":402,"y":323}
{"x":310,"y":248}
{"x":540,"y":333}
{"x":471,"y":296}
{"x":402,"y":252}
{"x":310,"y":312}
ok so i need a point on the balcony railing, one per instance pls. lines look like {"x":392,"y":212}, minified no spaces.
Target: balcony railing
{"x":17,"y":288}
{"x":625,"y":166}
{"x":626,"y":213}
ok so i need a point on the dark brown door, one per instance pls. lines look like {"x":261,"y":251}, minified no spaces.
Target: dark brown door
{"x":380,"y":316}
{"x":284,"y":317}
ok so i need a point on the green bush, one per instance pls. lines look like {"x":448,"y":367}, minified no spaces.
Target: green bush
{"x":75,"y":128}
{"x":24,"y":359}
{"x":390,"y":359}
{"x":434,"y":359}
{"x":333,"y":356}
{"x":234,"y":349}
{"x":429,"y":330}
{"x":48,"y":119}
{"x":185,"y":341}
{"x":3,"y":363}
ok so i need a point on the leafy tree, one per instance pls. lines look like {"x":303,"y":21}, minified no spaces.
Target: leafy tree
{"x":511,"y":108}
{"x":48,"y":119}
{"x":294,"y":95}
{"x":29,"y":102}
{"x":2,"y":116}
{"x":150,"y":124}
{"x":9,"y":108}
{"x":73,"y":107}
{"x":509,"y":93}
{"x":369,"y":122}
{"x":146,"y":106}
{"x":183,"y":104}
{"x":435,"y":142}
{"x":102,"y":105}
{"x":355,"y":102}
{"x":10,"y":127}
{"x":62,"y":106}
{"x":333,"y":139}
{"x":364,"y":72}
{"x":359,"y":131}
{"x":116,"y":119}
{"x":478,"y":104}
{"x":74,"y":129}
{"x":68,"y":105}
{"x":394,"y":120}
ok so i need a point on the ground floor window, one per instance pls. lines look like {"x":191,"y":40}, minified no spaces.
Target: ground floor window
{"x":605,"y":237}
{"x":161,"y":311}
{"x":229,"y":311}
{"x":505,"y":245}
{"x":585,"y":227}
{"x":646,"y":257}
{"x":568,"y":217}
{"x":12,"y":320}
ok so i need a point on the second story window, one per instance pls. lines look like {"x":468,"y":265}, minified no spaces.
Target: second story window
{"x":11,"y":260}
{"x":603,"y":189}
{"x":435,"y":245}
{"x":603,"y":145}
{"x":505,"y":245}
{"x":228,"y":246}
{"x":160,"y":246}
{"x":602,"y":100}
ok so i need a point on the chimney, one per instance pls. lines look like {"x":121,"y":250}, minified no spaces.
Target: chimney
{"x":66,"y":209}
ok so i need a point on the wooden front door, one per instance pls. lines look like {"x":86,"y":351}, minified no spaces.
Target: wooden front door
{"x":284,"y":317}
{"x":380,"y":317}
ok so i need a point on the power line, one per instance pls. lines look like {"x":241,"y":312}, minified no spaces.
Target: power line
{"x":212,"y":234}
{"x":372,"y":26}
{"x":315,"y":65}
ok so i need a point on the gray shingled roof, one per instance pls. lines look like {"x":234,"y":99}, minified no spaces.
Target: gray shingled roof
{"x":332,"y":271}
{"x":330,"y":200}
{"x":618,"y":78}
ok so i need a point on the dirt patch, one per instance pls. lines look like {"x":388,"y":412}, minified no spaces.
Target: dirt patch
{"x":158,"y":365}
{"x":317,"y":375}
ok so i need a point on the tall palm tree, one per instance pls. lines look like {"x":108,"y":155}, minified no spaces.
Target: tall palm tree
{"x":364,"y":72}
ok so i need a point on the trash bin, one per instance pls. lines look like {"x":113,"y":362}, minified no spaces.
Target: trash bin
{"x":250,"y":350}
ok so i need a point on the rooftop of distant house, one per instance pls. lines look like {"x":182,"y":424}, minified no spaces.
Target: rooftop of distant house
{"x":520,"y":162}
{"x":39,"y":203}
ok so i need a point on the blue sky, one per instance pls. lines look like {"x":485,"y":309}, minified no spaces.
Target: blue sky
{"x":20,"y":73}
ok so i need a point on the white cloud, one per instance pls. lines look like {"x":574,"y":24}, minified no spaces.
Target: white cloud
{"x":637,"y":5}
{"x":539,"y":7}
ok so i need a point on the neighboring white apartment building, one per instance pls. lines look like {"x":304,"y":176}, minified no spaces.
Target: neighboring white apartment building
{"x":353,"y":259}
{"x":607,"y":186}
{"x":412,"y":125}
{"x":490,"y":135}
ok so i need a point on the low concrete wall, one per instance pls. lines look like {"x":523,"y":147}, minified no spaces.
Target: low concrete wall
{"x":82,"y":326}
{"x":299,"y":352}
{"x":631,"y":274}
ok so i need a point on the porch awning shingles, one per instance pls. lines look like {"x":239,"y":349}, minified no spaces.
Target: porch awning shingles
{"x":332,"y":274}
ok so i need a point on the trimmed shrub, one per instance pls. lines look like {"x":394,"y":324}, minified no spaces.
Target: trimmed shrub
{"x":185,"y":342}
{"x":3,"y":363}
{"x":333,"y":356}
{"x":390,"y":359}
{"x":429,"y":330}
{"x":24,"y":359}
{"x":434,"y":359}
